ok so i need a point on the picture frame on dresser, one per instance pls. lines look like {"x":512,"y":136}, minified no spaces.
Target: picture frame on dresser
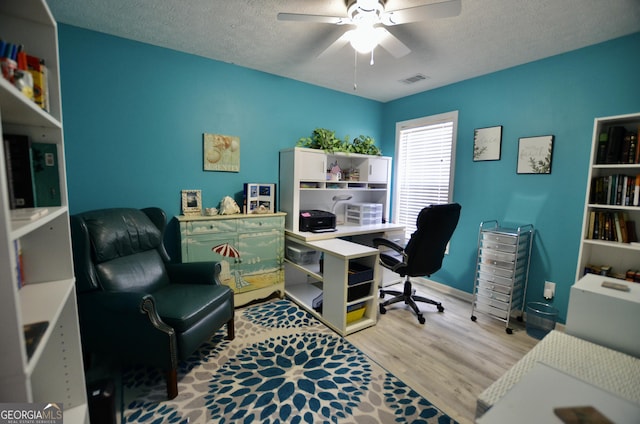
{"x":191,"y":202}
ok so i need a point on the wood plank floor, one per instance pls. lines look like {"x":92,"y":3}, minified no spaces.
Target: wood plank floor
{"x":450,"y":359}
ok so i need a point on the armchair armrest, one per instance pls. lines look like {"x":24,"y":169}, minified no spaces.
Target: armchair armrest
{"x":194,"y":272}
{"x":130,"y":319}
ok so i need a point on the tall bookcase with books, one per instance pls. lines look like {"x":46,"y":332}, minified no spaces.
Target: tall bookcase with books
{"x":40,"y":349}
{"x":609,"y":243}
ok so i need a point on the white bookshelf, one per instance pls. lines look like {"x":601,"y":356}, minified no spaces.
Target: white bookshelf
{"x":54,"y":372}
{"x":597,"y":252}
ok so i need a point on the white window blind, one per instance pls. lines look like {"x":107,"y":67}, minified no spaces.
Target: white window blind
{"x":425,"y":158}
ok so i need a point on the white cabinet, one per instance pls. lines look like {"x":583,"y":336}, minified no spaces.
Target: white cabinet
{"x":502,"y":269}
{"x":374,"y":170}
{"x":304,"y":184}
{"x":313,"y":165}
{"x":605,"y":247}
{"x":54,"y":371}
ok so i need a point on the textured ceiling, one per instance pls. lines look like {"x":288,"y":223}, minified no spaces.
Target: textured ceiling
{"x":489,"y":35}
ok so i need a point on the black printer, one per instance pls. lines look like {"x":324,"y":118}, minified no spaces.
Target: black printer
{"x":317,"y":221}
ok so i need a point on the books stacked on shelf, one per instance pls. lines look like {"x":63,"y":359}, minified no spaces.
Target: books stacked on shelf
{"x":617,"y":145}
{"x":632,"y":275}
{"x":32,"y":174}
{"x":617,"y":189}
{"x":611,"y":226}
{"x":26,"y":72}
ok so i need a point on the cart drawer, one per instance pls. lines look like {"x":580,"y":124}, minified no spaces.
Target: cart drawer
{"x":492,"y":278}
{"x":491,"y":294}
{"x":492,"y":302}
{"x":491,"y":310}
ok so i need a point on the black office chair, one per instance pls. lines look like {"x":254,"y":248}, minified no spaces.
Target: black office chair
{"x":422,"y":256}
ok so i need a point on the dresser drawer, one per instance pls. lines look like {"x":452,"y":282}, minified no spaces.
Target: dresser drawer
{"x":501,"y":290}
{"x":261,"y":224}
{"x":494,"y":303}
{"x":488,"y":309}
{"x":499,"y":238}
{"x":489,"y":293}
{"x":489,"y":260}
{"x":211,"y":227}
{"x":502,"y":247}
{"x":489,"y":278}
{"x":501,"y":256}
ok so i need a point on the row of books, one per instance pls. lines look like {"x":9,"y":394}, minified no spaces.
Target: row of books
{"x":618,"y":145}
{"x":632,"y":275}
{"x":611,"y":226}
{"x":25,"y":71}
{"x":32,"y":174}
{"x":618,"y":189}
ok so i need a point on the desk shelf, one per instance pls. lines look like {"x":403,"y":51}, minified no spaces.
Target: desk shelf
{"x":303,"y":283}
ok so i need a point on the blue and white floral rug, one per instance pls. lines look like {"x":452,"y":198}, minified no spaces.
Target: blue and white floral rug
{"x":284,"y":366}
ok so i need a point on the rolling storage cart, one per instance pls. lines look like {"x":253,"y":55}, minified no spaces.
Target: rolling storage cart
{"x":502,"y":271}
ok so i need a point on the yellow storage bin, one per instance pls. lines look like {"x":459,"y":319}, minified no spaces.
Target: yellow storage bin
{"x":355,"y":314}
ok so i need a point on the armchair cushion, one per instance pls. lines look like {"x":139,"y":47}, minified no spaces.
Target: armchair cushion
{"x":181,"y":309}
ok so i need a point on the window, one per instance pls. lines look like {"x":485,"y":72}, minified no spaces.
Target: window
{"x":425,"y":159}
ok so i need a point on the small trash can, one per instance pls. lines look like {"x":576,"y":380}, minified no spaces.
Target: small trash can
{"x":541,"y":319}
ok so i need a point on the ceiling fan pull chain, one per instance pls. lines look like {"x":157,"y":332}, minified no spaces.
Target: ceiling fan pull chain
{"x":371,"y":62}
{"x":355,"y":70}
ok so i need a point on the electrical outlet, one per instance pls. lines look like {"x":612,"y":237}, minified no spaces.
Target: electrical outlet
{"x":549,"y":290}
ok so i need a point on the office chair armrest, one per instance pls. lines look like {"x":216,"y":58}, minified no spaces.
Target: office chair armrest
{"x":377,"y":242}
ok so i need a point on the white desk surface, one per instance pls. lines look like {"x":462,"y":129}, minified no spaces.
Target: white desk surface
{"x":533,"y":399}
{"x":345,"y":230}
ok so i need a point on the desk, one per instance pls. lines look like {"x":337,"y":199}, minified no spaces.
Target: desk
{"x":305,"y":281}
{"x":347,"y":230}
{"x":533,"y":399}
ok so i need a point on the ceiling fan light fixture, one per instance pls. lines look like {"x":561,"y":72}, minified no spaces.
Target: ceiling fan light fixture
{"x":365,"y":38}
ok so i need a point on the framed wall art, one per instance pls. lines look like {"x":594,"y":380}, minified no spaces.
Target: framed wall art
{"x":221,"y":152}
{"x":191,"y":202}
{"x":487,"y":143}
{"x":534,"y":154}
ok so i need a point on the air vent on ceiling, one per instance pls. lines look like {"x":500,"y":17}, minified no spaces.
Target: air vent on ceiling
{"x":414,"y":79}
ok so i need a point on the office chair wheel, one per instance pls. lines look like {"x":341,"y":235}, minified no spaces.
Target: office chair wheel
{"x":440,"y":308}
{"x":509,"y":331}
{"x":381,"y":295}
{"x":473,"y":318}
{"x":421,"y":319}
{"x":383,"y":310}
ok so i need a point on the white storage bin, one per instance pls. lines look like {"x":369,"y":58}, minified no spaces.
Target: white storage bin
{"x":302,"y":255}
{"x":363,"y":213}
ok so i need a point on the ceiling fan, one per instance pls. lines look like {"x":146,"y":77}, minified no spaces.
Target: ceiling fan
{"x":370,"y":17}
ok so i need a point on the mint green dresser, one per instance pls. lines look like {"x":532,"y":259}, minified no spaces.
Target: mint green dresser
{"x":250,"y":249}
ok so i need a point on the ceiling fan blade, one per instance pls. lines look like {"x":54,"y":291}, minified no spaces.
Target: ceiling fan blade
{"x":342,"y":41}
{"x":311,"y":18}
{"x":441,"y":9}
{"x":390,"y":43}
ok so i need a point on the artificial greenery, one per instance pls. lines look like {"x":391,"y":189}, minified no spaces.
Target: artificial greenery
{"x":324,"y":139}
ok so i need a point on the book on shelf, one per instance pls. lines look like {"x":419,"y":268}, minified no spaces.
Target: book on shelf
{"x":617,"y":145}
{"x":617,"y":189}
{"x":38,"y":70}
{"x":611,"y":226}
{"x":33,"y":334}
{"x":17,"y":151}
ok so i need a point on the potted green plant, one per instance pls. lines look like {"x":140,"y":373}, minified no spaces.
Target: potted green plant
{"x":324,"y":139}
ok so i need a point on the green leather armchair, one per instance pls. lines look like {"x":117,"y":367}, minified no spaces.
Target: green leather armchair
{"x":134,"y":304}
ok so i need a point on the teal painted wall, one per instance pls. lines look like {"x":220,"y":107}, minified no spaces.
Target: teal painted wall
{"x":561,"y":96}
{"x":134,"y":115}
